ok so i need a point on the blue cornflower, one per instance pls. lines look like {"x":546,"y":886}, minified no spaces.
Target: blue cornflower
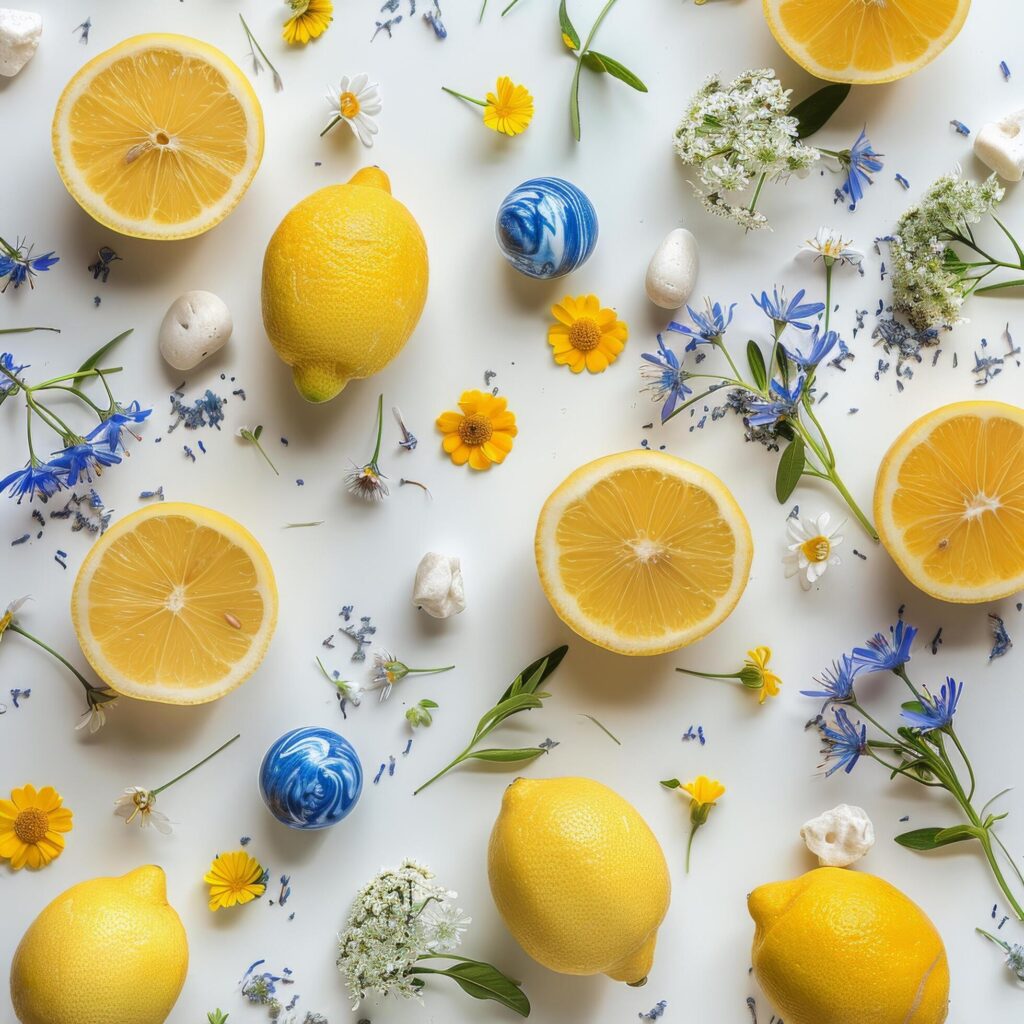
{"x":936,"y":712}
{"x":18,"y":265}
{"x":860,"y":162}
{"x":7,"y":362}
{"x":884,"y":653}
{"x":80,"y":460}
{"x":110,"y":431}
{"x":844,"y":744}
{"x":776,"y":309}
{"x":821,"y":345}
{"x":762,"y":412}
{"x":710,"y":325}
{"x":32,"y":480}
{"x":836,"y":682}
{"x":666,"y":378}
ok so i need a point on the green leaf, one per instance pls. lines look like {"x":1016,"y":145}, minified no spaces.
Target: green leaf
{"x":755,"y":360}
{"x":484,"y":981}
{"x":1015,"y":283}
{"x":617,"y":70}
{"x":507,"y":755}
{"x":603,"y":728}
{"x":565,"y":23}
{"x":257,"y":432}
{"x":956,"y":834}
{"x":670,"y":783}
{"x":93,"y":361}
{"x":593,"y":62}
{"x":545,"y":666}
{"x":27,"y":330}
{"x":813,"y":112}
{"x":428,"y":703}
{"x":928,"y":838}
{"x":791,"y":467}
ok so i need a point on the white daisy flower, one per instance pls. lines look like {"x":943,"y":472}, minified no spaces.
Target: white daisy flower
{"x":356,"y":102}
{"x":829,"y":244}
{"x":141,"y":803}
{"x":811,"y":548}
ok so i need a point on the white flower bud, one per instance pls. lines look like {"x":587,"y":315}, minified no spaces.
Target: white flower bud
{"x":439,"y":589}
{"x":839,"y":837}
{"x":1000,"y":146}
{"x":19,"y":39}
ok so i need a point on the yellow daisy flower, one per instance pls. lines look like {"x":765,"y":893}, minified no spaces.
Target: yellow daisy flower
{"x":585,"y":335}
{"x":234,"y":878}
{"x":762,"y":679}
{"x":308,"y":20}
{"x":509,"y":108}
{"x":481,"y":434}
{"x":31,"y":824}
{"x":704,"y":791}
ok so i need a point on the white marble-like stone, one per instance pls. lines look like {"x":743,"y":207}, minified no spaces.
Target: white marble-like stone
{"x":1000,"y":146}
{"x":839,"y":837}
{"x":196,"y":325}
{"x":672,"y":272}
{"x":439,"y":588}
{"x":19,"y":39}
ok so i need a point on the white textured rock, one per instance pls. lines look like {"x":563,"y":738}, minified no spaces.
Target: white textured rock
{"x":19,"y":39}
{"x":197,"y":325}
{"x":839,"y":837}
{"x":672,"y":272}
{"x":439,"y":589}
{"x":1000,"y":146}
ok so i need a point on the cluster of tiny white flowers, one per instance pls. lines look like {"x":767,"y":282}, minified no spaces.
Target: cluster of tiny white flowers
{"x":400,"y":916}
{"x":735,"y":133}
{"x":928,"y":281}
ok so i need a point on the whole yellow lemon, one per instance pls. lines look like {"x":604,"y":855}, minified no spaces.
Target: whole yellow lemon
{"x":578,"y":877}
{"x":846,"y":947}
{"x":344,"y":283}
{"x":106,"y":951}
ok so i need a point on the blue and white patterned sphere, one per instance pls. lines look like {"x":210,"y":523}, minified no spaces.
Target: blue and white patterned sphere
{"x":546,"y":227}
{"x":311,"y":778}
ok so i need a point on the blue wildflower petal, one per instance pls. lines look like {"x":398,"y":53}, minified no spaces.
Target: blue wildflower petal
{"x":821,"y":345}
{"x":845,"y":743}
{"x":836,"y":682}
{"x":863,"y":162}
{"x":80,"y":460}
{"x":936,"y":712}
{"x":32,"y":480}
{"x":762,"y":412}
{"x":666,"y":378}
{"x":776,"y":308}
{"x":710,"y":325}
{"x":886,"y":653}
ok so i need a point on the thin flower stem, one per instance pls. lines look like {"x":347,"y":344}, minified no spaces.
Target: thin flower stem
{"x":278,"y":81}
{"x":198,"y":764}
{"x":463,"y":96}
{"x":28,"y":431}
{"x":448,"y":767}
{"x":575,"y":87}
{"x":1009,"y":856}
{"x":735,"y":371}
{"x":817,"y":426}
{"x":330,"y":125}
{"x":828,"y":291}
{"x":963,"y":753}
{"x":106,"y":387}
{"x":15,"y":628}
{"x":380,"y":429}
{"x":428,"y":671}
{"x":80,"y":395}
{"x":689,"y":844}
{"x":708,"y":675}
{"x":757,"y":191}
{"x":77,"y":375}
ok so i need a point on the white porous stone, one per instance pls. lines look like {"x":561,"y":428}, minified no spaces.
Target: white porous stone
{"x":672,"y":272}
{"x":197,"y":325}
{"x":19,"y":39}
{"x":439,"y":589}
{"x":1000,"y":145}
{"x":839,"y":837}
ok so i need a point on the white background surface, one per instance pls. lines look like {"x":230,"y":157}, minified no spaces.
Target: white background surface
{"x":452,"y":173}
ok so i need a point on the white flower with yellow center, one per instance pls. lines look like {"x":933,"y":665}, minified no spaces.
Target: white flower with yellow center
{"x":829,"y":245}
{"x":811,"y":548}
{"x":356,"y":102}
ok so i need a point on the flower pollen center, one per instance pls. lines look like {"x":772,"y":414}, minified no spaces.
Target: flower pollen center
{"x":349,"y":104}
{"x":816,"y":549}
{"x":584,"y":335}
{"x":31,"y":826}
{"x":475,"y":429}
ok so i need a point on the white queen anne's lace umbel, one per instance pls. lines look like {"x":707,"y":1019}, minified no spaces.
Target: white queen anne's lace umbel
{"x":738,"y":135}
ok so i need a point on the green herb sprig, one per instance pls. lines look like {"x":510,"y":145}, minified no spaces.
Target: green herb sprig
{"x":522,"y":694}
{"x":253,"y":437}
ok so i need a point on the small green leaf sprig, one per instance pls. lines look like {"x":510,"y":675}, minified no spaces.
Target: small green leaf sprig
{"x":590,"y":59}
{"x":522,"y":694}
{"x":253,"y":437}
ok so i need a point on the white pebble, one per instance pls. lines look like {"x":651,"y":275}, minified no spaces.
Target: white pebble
{"x":439,"y":589}
{"x":197,"y":325}
{"x":672,"y":272}
{"x":839,"y":837}
{"x":1000,"y":146}
{"x":19,"y":39}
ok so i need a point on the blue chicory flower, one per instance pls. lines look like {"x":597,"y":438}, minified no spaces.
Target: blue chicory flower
{"x":710,"y":325}
{"x":845,"y":743}
{"x":18,"y":265}
{"x":821,"y":345}
{"x":763,"y":412}
{"x":7,"y":362}
{"x":836,"y":682}
{"x":80,"y":460}
{"x":886,"y":653}
{"x":111,"y":431}
{"x":666,"y":378}
{"x":793,"y":313}
{"x":936,"y":712}
{"x":861,"y":163}
{"x":32,"y":480}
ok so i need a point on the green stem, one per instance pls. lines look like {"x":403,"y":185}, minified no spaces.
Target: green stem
{"x":463,"y":96}
{"x":828,"y":292}
{"x":330,"y":125}
{"x":77,"y":375}
{"x":447,"y":768}
{"x":689,"y":844}
{"x":15,"y":628}
{"x":574,"y":89}
{"x":757,"y":191}
{"x":198,"y":764}
{"x":28,"y":430}
{"x":963,"y":753}
{"x":380,"y":429}
{"x":428,"y":671}
{"x":708,"y":675}
{"x":80,"y":395}
{"x":735,"y":370}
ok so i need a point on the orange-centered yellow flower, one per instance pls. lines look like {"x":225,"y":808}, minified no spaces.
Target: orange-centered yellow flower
{"x":234,"y":878}
{"x":481,"y":434}
{"x":31,"y":824}
{"x":509,"y":108}
{"x":763,"y":679}
{"x":585,"y":336}
{"x":309,"y":19}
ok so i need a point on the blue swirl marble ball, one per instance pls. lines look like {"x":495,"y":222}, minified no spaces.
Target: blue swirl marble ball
{"x":310,"y":778}
{"x":546,"y":227}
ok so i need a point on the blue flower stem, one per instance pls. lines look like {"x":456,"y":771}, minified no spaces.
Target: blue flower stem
{"x":198,"y":764}
{"x":735,"y":371}
{"x":80,"y":395}
{"x":463,"y":96}
{"x":828,"y":291}
{"x":967,"y":761}
{"x":774,"y":361}
{"x":28,"y":432}
{"x":77,"y":375}
{"x":106,"y":387}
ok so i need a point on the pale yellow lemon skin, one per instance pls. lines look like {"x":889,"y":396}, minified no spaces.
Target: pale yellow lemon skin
{"x":344,"y":283}
{"x":106,"y":951}
{"x":931,"y":569}
{"x":837,"y":946}
{"x":578,"y":877}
